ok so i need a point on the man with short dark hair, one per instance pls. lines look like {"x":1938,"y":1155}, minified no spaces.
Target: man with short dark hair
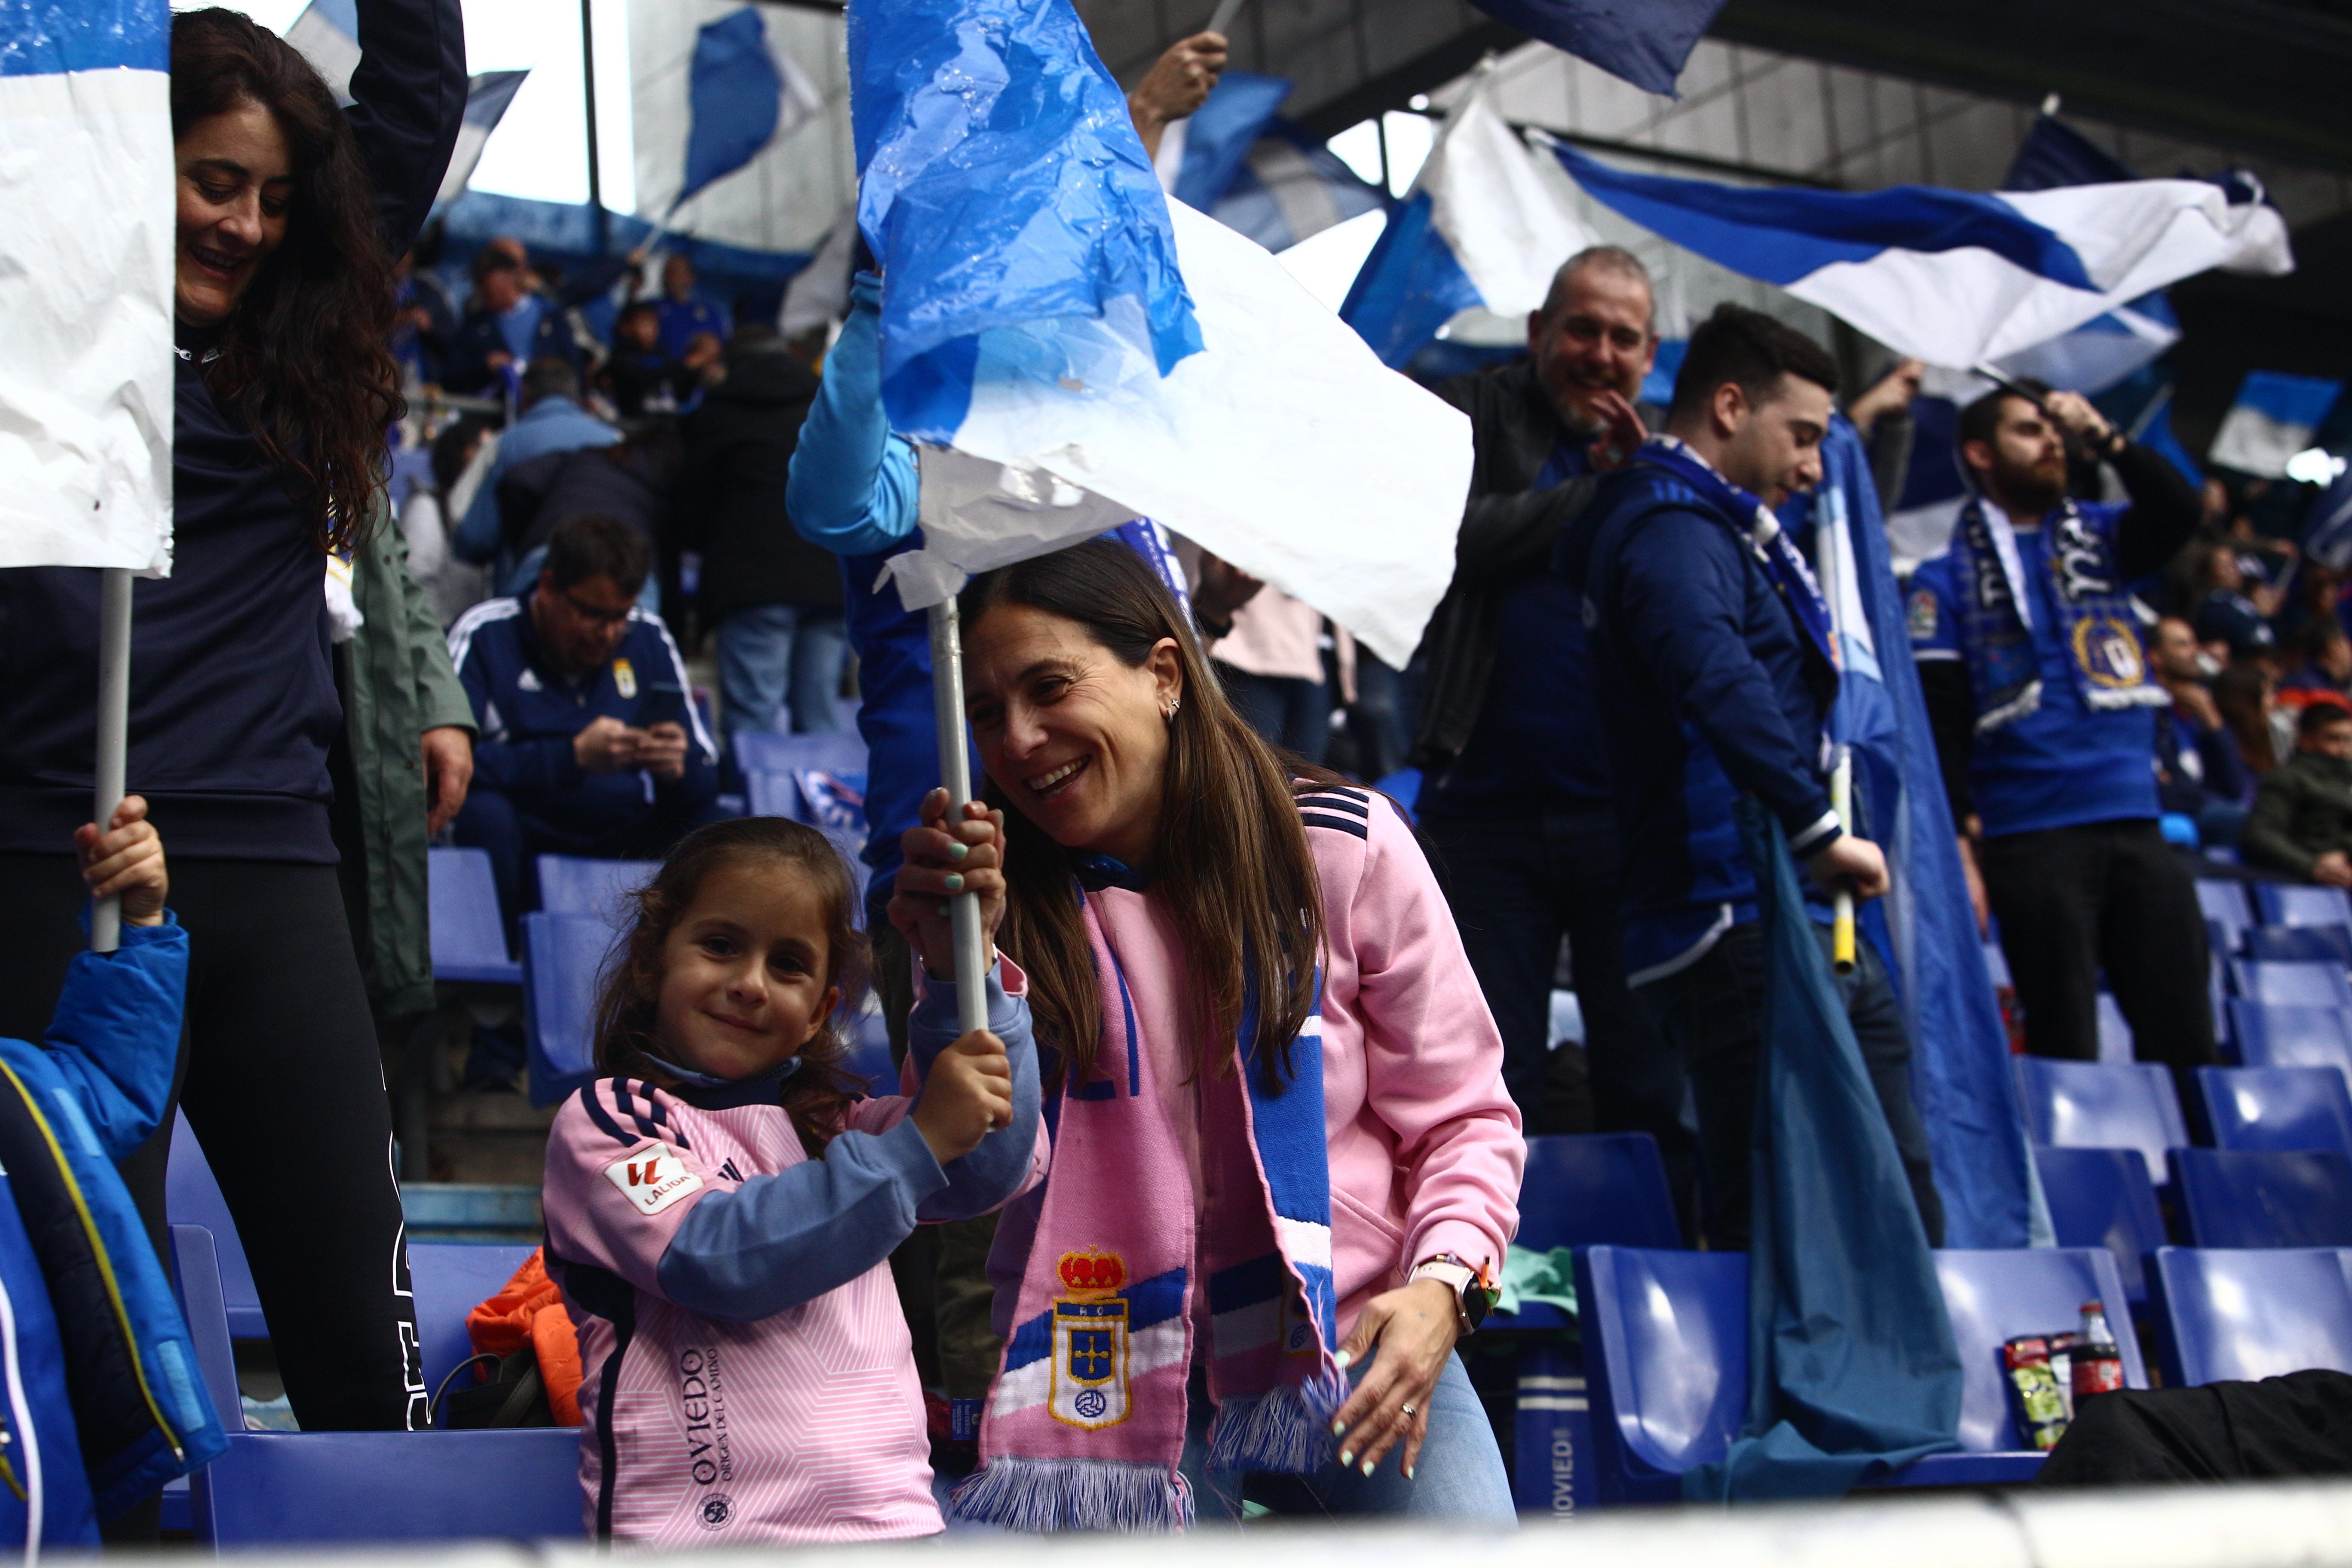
{"x":591,"y":743}
{"x":2302,"y":822}
{"x":1514,"y":796}
{"x":2028,"y":642}
{"x":1714,"y":675}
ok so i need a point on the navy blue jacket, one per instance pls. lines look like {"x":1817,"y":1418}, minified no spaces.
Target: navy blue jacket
{"x":1707,"y":688}
{"x":529,"y":709}
{"x":232,"y":703}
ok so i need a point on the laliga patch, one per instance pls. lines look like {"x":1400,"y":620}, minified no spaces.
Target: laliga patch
{"x":624,"y":677}
{"x":1923,"y":615}
{"x":653,"y":1177}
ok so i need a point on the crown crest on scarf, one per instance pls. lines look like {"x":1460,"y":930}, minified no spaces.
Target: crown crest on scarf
{"x":1092,"y":1270}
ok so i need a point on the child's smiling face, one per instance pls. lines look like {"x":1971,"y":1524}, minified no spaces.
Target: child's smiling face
{"x":743,"y":972}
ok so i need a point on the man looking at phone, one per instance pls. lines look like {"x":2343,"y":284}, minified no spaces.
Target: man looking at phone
{"x":589,"y":741}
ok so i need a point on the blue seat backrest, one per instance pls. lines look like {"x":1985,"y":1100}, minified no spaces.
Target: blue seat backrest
{"x":760,"y":750}
{"x":2101,"y":1105}
{"x":2301,"y":984}
{"x":2277,"y":1108}
{"x":2296,"y":904}
{"x":1596,"y":1189}
{"x":2114,"y":1034}
{"x":2301,"y":944}
{"x":470,"y":936}
{"x":2270,"y":1197}
{"x":191,"y":1196}
{"x":1996,"y":1296}
{"x":450,"y":1278}
{"x":771,"y":794}
{"x":2104,"y":1198}
{"x":576,"y":885}
{"x":2250,"y":1314}
{"x":869,"y":1054}
{"x":196,"y":1281}
{"x":2223,"y":902}
{"x":1671,"y":1328}
{"x":2273,"y":1035}
{"x":562,"y":957}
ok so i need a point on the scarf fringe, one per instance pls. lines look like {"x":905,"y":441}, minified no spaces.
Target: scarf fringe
{"x":2107,"y":698}
{"x":2026,"y":701}
{"x":1285,"y":1430}
{"x":1038,"y":1497}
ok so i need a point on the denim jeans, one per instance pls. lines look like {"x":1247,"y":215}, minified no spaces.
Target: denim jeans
{"x":772,"y":654}
{"x":1287,"y":712}
{"x":1459,"y":1475}
{"x":1713,"y":1014}
{"x":1517,"y":883}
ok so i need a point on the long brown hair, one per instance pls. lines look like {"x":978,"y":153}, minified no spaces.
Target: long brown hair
{"x":630,"y":993}
{"x":1231,"y":857}
{"x":304,"y":358}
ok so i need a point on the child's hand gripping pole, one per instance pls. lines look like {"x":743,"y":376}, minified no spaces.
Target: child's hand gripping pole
{"x":955,"y":773}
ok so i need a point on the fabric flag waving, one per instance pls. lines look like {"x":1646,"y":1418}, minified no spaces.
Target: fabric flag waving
{"x":1040,"y":338}
{"x":1211,"y":144}
{"x":1483,"y":228}
{"x":1954,"y":278}
{"x":86,"y":366}
{"x":2274,"y":418}
{"x":1257,"y":175}
{"x":1647,"y":44}
{"x":327,"y":34}
{"x":743,"y":94}
{"x":486,"y":98}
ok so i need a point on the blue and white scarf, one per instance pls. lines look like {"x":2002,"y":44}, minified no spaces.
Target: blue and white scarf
{"x":1784,"y":566}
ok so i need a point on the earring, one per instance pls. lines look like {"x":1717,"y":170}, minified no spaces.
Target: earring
{"x":1173,"y":704}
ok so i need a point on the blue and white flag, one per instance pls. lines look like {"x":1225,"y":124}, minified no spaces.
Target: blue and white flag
{"x":743,"y":94}
{"x":486,"y":98}
{"x":1954,"y":278}
{"x":1486,"y":223}
{"x":1645,"y":44}
{"x":1074,"y":350}
{"x":2274,"y":417}
{"x":85,"y":202}
{"x":1292,"y":186}
{"x":1199,"y":155}
{"x":327,"y":34}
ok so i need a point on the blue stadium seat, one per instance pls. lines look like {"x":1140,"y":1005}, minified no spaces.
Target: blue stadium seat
{"x":469,"y":935}
{"x":2277,"y":1108}
{"x":771,"y":794}
{"x":191,"y":1197}
{"x":2301,"y":944}
{"x":577,"y":885}
{"x":2114,"y":1034}
{"x":2297,"y":984}
{"x":869,"y":1054}
{"x":2250,"y":1314}
{"x":2097,"y":1105}
{"x":1996,"y":1296}
{"x":2223,"y":902}
{"x":760,"y":750}
{"x":2104,"y":1198}
{"x":562,"y":955}
{"x":2295,"y":904}
{"x":450,"y":1278}
{"x":1996,"y":964}
{"x":2271,"y":1034}
{"x":1601,"y":1189}
{"x":2270,"y":1197}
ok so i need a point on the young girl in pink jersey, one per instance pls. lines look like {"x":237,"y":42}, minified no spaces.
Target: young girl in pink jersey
{"x":721,"y":1205}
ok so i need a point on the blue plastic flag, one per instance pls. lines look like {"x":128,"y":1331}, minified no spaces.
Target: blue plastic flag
{"x":1645,"y":44}
{"x":1220,"y":133}
{"x":1925,"y":927}
{"x":1852,"y":1371}
{"x":738,"y":97}
{"x":1409,"y":286}
{"x":1003,"y":190}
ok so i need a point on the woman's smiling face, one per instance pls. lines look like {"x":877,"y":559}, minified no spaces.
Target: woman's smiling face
{"x":1076,"y":739}
{"x":235,"y":185}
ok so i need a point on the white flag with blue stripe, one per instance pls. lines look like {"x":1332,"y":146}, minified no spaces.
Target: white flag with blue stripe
{"x":85,"y":205}
{"x":1954,"y":277}
{"x":2274,"y":419}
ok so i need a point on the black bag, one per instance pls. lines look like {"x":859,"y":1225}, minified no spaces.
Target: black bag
{"x":514,"y":1396}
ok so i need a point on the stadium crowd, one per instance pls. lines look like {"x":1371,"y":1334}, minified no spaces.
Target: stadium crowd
{"x":1208,"y":817}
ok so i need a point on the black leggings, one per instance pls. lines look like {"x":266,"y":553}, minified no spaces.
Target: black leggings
{"x":280,"y":1079}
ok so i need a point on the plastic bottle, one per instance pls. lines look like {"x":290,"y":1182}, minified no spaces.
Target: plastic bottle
{"x":2097,"y":1365}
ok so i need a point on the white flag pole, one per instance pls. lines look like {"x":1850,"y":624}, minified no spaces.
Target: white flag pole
{"x":113,"y":731}
{"x":955,"y":773}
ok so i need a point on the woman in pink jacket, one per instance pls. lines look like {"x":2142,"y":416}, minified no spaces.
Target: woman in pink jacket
{"x":1284,"y":1166}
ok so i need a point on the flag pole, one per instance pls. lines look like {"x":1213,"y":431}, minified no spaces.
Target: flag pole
{"x":113,"y":732}
{"x":1829,"y":566}
{"x":955,"y":773}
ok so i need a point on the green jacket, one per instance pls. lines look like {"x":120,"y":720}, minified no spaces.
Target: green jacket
{"x":2303,"y":810}
{"x":399,"y":683}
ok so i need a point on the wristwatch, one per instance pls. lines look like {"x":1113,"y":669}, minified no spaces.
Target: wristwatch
{"x":1474,"y":1297}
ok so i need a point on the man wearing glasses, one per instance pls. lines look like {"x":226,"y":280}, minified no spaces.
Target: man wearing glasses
{"x":590,"y":745}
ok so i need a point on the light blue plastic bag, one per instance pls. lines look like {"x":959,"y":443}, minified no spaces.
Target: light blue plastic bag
{"x":1003,"y":190}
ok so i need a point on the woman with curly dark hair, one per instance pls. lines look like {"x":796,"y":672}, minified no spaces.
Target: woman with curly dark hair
{"x":290,"y":212}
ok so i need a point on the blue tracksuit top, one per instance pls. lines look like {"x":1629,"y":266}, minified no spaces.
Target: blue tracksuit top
{"x":528,"y":711}
{"x":2065,"y":764}
{"x":1706,"y":687}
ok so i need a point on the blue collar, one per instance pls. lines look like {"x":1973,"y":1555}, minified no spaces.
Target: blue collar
{"x":777,"y":1074}
{"x":1096,"y":872}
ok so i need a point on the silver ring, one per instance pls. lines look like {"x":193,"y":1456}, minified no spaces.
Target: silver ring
{"x":1407,"y":1409}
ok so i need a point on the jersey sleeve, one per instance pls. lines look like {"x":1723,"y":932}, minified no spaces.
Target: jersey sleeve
{"x":622,"y":1177}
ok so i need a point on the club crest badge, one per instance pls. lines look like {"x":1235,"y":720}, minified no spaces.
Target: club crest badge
{"x":2108,"y":651}
{"x":1091,"y":1343}
{"x":624,"y":677}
